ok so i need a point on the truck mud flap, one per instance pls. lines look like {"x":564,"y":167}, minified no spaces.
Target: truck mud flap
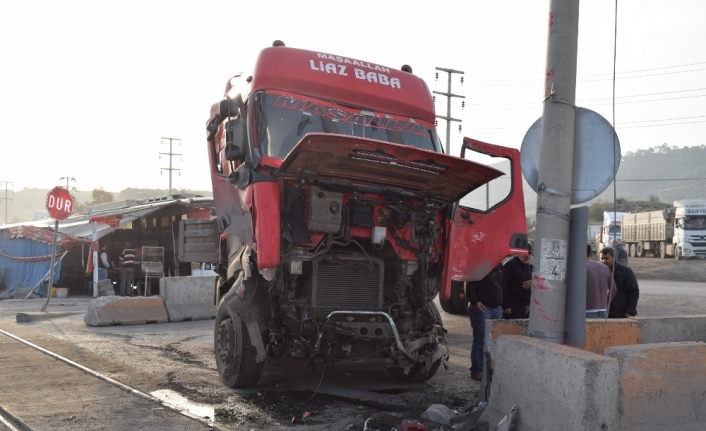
{"x":249,"y":314}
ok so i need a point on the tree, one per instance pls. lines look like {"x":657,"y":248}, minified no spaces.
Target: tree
{"x":99,"y":195}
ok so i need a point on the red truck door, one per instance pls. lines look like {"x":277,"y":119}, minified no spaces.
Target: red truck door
{"x":479,"y":239}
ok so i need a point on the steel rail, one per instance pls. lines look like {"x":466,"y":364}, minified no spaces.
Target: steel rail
{"x":113,"y":382}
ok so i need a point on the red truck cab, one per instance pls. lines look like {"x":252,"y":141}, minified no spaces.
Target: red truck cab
{"x":340,"y":218}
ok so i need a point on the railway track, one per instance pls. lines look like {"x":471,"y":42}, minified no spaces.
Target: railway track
{"x":42,"y":390}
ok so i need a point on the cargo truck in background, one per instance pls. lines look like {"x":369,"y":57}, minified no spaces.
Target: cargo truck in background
{"x":609,"y":230}
{"x":340,"y":218}
{"x":678,"y":231}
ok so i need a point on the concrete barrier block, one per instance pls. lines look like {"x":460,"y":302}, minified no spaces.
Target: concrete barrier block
{"x":670,"y":329}
{"x":188,"y":298}
{"x":118,"y":310}
{"x":555,"y":387}
{"x":662,"y":386}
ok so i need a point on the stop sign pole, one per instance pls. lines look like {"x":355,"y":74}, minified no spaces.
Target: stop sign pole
{"x":60,"y":205}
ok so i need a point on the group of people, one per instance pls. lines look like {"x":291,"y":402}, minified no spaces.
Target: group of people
{"x":127,"y":267}
{"x":611,"y":291}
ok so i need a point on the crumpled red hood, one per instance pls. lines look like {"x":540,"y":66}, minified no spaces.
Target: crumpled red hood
{"x":366,"y":161}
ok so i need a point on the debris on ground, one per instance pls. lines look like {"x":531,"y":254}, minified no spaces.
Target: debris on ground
{"x":467,"y":420}
{"x":507,"y":423}
{"x":439,"y":414}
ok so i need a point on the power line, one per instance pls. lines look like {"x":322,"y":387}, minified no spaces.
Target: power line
{"x":649,"y":70}
{"x":653,"y":100}
{"x":661,"y":179}
{"x":533,"y":81}
{"x":648,"y":94}
{"x":666,"y":119}
{"x":665,"y":124}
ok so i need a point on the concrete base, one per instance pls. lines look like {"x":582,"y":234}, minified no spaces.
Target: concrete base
{"x":188,"y":298}
{"x":117,"y":310}
{"x":662,"y":386}
{"x":555,"y":387}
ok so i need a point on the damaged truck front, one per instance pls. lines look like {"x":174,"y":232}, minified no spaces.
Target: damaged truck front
{"x":340,"y":218}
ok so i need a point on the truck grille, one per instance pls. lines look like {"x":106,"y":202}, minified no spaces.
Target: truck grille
{"x":347,"y":282}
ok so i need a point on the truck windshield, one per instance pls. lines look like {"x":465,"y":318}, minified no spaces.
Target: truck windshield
{"x":614,"y":229}
{"x":283,"y":119}
{"x":694,"y":223}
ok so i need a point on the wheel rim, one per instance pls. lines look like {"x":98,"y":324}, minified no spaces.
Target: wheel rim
{"x":225,"y":342}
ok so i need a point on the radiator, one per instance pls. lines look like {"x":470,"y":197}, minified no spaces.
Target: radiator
{"x":348,"y":282}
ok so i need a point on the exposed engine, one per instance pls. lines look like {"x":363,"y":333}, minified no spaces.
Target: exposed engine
{"x":346,"y":292}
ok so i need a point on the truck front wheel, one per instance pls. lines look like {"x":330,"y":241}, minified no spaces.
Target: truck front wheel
{"x":677,"y":252}
{"x":662,"y":250}
{"x":235,"y":355}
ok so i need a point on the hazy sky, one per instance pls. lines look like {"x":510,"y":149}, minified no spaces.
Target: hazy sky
{"x":88,"y":88}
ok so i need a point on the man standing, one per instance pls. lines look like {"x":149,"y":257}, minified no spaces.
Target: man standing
{"x":624,"y":303}
{"x":127,"y":270}
{"x":485,"y":298}
{"x":598,"y":286}
{"x":103,"y":262}
{"x":517,"y":284}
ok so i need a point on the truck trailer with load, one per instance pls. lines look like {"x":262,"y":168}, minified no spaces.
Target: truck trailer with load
{"x":339,"y":218}
{"x":678,"y":231}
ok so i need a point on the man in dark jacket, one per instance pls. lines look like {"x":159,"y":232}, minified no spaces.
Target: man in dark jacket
{"x":624,"y":303}
{"x":517,"y":280}
{"x":485,"y":299}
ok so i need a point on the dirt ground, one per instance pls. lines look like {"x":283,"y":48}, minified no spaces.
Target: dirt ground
{"x":652,"y":268}
{"x":179,"y":357}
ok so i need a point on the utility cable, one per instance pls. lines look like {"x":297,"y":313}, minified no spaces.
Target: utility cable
{"x":320,"y":380}
{"x":615,"y":191}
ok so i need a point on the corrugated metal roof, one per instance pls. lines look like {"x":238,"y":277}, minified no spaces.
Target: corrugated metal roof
{"x":80,"y":225}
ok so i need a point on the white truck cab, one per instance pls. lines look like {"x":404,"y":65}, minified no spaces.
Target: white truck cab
{"x":689,"y":228}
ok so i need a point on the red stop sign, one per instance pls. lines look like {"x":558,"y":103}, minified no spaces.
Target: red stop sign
{"x":60,"y":204}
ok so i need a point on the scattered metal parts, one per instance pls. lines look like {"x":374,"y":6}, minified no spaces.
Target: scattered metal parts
{"x":507,"y":423}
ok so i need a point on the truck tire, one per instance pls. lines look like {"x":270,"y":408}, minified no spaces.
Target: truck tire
{"x":677,"y":253}
{"x":457,"y":303}
{"x":235,"y":355}
{"x":662,"y":250}
{"x":640,"y":249}
{"x":446,"y":305}
{"x":632,"y":250}
{"x":419,"y":373}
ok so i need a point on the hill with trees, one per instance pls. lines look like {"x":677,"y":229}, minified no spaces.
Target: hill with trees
{"x":646,"y":179}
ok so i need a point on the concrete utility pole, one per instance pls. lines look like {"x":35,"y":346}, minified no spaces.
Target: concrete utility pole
{"x":170,"y":154}
{"x":5,"y":198}
{"x":554,"y":185}
{"x":449,"y":95}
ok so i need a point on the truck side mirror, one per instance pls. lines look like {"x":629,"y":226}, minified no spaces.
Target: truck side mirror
{"x":236,"y":139}
{"x":229,"y":108}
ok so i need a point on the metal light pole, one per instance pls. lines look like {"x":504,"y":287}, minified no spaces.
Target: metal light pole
{"x":170,"y":154}
{"x":448,"y":95}
{"x":554,"y":186}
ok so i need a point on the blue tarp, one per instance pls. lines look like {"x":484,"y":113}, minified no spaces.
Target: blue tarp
{"x":17,"y":274}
